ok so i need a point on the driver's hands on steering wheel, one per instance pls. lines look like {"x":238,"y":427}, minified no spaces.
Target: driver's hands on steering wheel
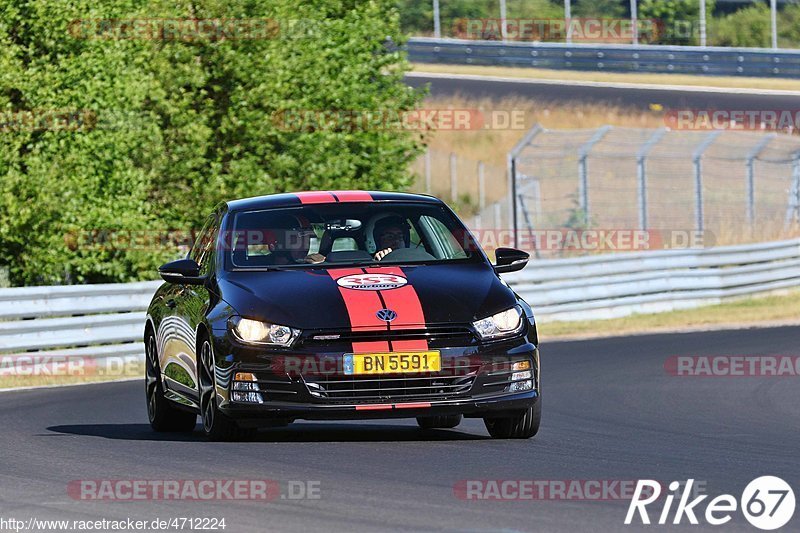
{"x":383,"y":253}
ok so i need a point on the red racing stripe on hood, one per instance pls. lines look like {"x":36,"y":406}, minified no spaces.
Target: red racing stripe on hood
{"x":361,"y":308}
{"x":405,"y":302}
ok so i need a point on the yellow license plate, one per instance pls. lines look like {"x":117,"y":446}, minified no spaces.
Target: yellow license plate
{"x":392,"y":363}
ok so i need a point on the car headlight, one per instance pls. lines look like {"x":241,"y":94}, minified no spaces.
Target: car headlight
{"x":501,"y":324}
{"x":257,"y":332}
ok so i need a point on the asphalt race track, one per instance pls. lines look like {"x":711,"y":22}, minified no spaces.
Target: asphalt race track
{"x":637,"y":98}
{"x":611,"y":412}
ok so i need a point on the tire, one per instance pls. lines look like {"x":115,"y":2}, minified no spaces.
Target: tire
{"x":216,"y":425}
{"x":163,"y":415}
{"x":439,"y":422}
{"x":523,"y":426}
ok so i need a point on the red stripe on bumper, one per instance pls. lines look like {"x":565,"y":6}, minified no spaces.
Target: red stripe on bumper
{"x":379,"y":407}
{"x":412,"y":405}
{"x":314,"y":197}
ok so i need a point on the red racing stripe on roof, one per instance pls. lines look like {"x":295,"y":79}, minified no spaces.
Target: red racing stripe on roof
{"x":315,"y":197}
{"x":352,"y":196}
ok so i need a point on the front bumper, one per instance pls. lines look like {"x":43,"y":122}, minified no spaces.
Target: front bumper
{"x":475,"y":381}
{"x":266,"y":414}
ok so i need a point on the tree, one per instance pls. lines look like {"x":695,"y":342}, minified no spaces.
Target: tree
{"x":679,"y":20}
{"x":749,"y":27}
{"x":174,"y":125}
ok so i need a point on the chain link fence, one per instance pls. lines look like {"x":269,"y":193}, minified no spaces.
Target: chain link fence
{"x":477,"y":190}
{"x":735,"y":186}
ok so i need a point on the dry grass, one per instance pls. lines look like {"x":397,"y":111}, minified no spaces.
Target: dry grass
{"x":491,"y":145}
{"x":130,"y":370}
{"x":782,"y":308}
{"x":615,"y":77}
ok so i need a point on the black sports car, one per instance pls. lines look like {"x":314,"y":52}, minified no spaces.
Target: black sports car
{"x":339,"y":305}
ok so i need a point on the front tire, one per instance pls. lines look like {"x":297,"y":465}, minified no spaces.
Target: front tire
{"x":439,"y":422}
{"x":216,"y":425}
{"x":523,"y":426}
{"x":163,"y":415}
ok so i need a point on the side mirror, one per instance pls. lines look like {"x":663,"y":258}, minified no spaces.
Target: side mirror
{"x":510,"y":260}
{"x":182,"y":271}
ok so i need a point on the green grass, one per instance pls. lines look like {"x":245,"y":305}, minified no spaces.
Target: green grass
{"x":782,"y":308}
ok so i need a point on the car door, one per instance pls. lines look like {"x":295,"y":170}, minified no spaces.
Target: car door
{"x":190,"y":305}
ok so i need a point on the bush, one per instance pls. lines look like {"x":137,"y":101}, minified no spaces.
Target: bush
{"x":679,"y":19}
{"x":748,"y":27}
{"x":173,"y":127}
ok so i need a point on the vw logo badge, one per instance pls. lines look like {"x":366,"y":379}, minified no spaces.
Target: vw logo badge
{"x":386,"y":314}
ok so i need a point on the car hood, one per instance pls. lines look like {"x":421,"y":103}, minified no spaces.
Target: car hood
{"x":349,"y":298}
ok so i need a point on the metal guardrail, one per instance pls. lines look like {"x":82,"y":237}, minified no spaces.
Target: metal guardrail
{"x":99,"y":321}
{"x":720,"y":61}
{"x":91,"y":321}
{"x":607,"y":286}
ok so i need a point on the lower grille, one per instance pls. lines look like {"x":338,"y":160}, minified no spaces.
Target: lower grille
{"x":453,"y":382}
{"x":436,"y":336}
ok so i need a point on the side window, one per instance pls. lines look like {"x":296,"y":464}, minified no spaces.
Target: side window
{"x":203,"y":249}
{"x":443,"y":242}
{"x":414,"y":236}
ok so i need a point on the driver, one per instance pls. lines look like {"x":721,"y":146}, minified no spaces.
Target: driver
{"x":390,"y":233}
{"x":290,"y":242}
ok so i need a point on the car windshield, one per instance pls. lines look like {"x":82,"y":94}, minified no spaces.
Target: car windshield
{"x":344,"y":234}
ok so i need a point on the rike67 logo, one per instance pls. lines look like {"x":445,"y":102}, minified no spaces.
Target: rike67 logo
{"x":767,"y":503}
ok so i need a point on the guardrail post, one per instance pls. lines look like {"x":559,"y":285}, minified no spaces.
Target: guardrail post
{"x":583,"y":171}
{"x":793,"y":208}
{"x":481,"y":187}
{"x":453,"y":178}
{"x":428,"y":171}
{"x":751,"y":178}
{"x":437,"y":24}
{"x":512,"y":174}
{"x":773,"y":22}
{"x":697,"y":158}
{"x":703,"y":23}
{"x":567,"y":17}
{"x":641,"y":173}
{"x":503,"y":20}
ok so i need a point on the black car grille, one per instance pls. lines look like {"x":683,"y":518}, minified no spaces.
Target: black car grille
{"x":450,"y":382}
{"x":437,"y":337}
